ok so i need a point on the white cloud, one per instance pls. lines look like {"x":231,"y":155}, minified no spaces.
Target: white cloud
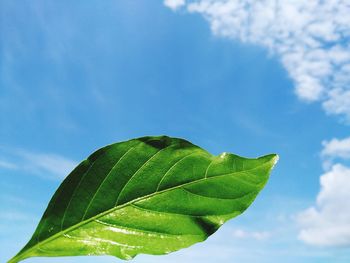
{"x":328,"y":222}
{"x":257,"y":235}
{"x":338,"y":102}
{"x":47,"y":165}
{"x":174,"y":4}
{"x":310,"y":37}
{"x":336,"y":148}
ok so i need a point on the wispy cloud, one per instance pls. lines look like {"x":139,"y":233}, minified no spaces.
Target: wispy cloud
{"x":15,"y":216}
{"x":47,"y":165}
{"x":311,"y":38}
{"x":257,"y":235}
{"x":7,"y":165}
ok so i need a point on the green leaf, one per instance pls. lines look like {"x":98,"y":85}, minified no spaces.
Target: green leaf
{"x":150,"y":195}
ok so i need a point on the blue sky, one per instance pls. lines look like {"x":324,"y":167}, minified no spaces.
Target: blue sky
{"x":77,"y":75}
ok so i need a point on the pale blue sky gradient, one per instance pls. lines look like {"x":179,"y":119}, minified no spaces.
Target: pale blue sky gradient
{"x":77,"y":75}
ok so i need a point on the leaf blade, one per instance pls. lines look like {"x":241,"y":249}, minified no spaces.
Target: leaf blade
{"x":151,"y":175}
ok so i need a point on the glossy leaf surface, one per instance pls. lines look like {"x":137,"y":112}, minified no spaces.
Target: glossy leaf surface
{"x":151,"y":195}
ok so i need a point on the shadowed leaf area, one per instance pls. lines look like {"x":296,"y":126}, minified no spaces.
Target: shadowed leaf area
{"x":150,"y":195}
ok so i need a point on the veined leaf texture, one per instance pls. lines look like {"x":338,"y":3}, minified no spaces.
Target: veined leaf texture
{"x":151,"y":195}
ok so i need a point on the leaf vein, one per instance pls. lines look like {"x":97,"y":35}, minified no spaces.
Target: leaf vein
{"x":107,"y":176}
{"x":219,"y":198}
{"x":173,"y":166}
{"x":75,"y":189}
{"x":131,"y":203}
{"x":142,"y":166}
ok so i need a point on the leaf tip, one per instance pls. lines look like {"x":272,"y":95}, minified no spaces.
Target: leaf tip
{"x":275,"y":159}
{"x":271,"y":158}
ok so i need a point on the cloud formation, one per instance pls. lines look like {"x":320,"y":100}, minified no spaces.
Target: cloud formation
{"x":336,"y":148}
{"x":328,"y":222}
{"x":311,"y":38}
{"x":174,"y":4}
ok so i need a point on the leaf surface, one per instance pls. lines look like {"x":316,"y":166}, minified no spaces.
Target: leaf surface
{"x":150,"y":195}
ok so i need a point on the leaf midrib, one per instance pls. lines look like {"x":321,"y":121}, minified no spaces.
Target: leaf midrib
{"x":140,"y":230}
{"x":71,"y":228}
